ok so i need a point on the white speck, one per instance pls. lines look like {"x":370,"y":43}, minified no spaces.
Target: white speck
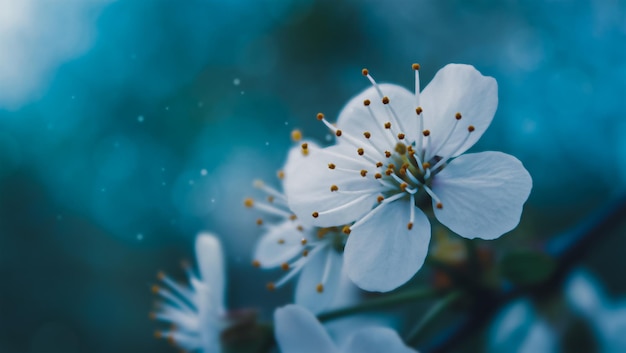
{"x":212,"y":200}
{"x":116,"y":144}
{"x":163,"y":183}
{"x":59,"y":217}
{"x":167,"y":108}
{"x":236,"y":82}
{"x":50,"y":126}
{"x":162,"y":169}
{"x":191,"y":182}
{"x":73,"y":97}
{"x":242,"y":93}
{"x":140,"y":118}
{"x":200,"y":104}
{"x":139,"y":236}
{"x":286,"y":123}
{"x":103,"y":189}
{"x":203,"y":172}
{"x":267,"y":143}
{"x":329,"y":137}
{"x":133,"y":56}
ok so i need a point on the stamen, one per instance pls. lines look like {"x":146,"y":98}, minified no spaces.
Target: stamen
{"x":320,"y":116}
{"x":341,"y":207}
{"x":470,"y":129}
{"x":256,"y":263}
{"x":327,"y":267}
{"x":366,"y":102}
{"x":346,"y":230}
{"x":319,"y":288}
{"x":450,"y":133}
{"x":259,"y":184}
{"x":303,"y":241}
{"x":367,"y":134}
{"x":360,"y":151}
{"x":284,"y":266}
{"x":280,"y":174}
{"x":249,"y":202}
{"x":380,"y":198}
{"x":385,"y":100}
{"x":259,"y":222}
{"x":331,"y":166}
{"x":353,"y":141}
{"x":388,"y":125}
{"x":400,"y":136}
{"x":338,"y":132}
{"x":416,"y":68}
{"x":270,"y":209}
{"x":363,"y":172}
{"x":375,"y":210}
{"x":379,"y":164}
{"x":315,"y":214}
{"x":439,"y":205}
{"x":334,"y":188}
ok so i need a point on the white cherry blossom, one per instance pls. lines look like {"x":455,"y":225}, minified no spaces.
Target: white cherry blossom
{"x":298,"y":331}
{"x":197,"y":311}
{"x":398,"y":153}
{"x":312,"y":255}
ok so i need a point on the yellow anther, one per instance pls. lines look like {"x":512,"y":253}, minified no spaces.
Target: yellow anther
{"x":346,"y":230}
{"x":378,"y":176}
{"x":281,"y":241}
{"x":419,"y":110}
{"x":160,"y":275}
{"x":363,"y":172}
{"x":331,"y":166}
{"x":439,"y":205}
{"x":338,"y":133}
{"x":410,"y":225}
{"x":391,"y":166}
{"x":458,"y":116}
{"x":403,"y":186}
{"x":303,"y":241}
{"x":366,"y":102}
{"x":415,"y":66}
{"x":271,"y":286}
{"x":249,"y":202}
{"x":155,"y":289}
{"x":426,"y":132}
{"x":296,"y":135}
{"x":284,"y":266}
{"x":385,"y":100}
{"x":270,"y":199}
{"x":320,"y":116}
{"x":334,"y":188}
{"x":367,"y":134}
{"x":387,"y":154}
{"x":315,"y":214}
{"x":425,"y":165}
{"x":365,"y":72}
{"x":379,"y":164}
{"x":400,"y":136}
{"x":400,"y":147}
{"x":360,"y":151}
{"x":305,"y":253}
{"x":259,"y":222}
{"x":293,"y":217}
{"x":152,"y":316}
{"x":387,"y":125}
{"x":256,"y":263}
{"x":380,"y":198}
{"x":320,"y":288}
{"x":305,"y":146}
{"x":300,"y":228}
{"x":158,"y":334}
{"x":280,"y":174}
{"x":471,"y":128}
{"x":389,"y":171}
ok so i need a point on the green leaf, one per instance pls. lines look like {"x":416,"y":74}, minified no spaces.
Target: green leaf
{"x":526,"y":268}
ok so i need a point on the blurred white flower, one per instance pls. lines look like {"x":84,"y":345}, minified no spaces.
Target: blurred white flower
{"x":298,"y":331}
{"x":518,"y":329}
{"x":196,"y":312}
{"x":313,"y":254}
{"x":608,"y":318}
{"x":397,"y":153}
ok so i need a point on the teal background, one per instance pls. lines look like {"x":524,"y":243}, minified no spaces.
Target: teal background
{"x":101,"y":164}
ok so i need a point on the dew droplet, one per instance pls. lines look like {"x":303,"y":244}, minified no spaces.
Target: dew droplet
{"x":203,"y":172}
{"x":140,"y":118}
{"x":236,"y":82}
{"x":139,"y":236}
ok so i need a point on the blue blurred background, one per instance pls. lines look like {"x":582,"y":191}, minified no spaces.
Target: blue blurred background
{"x":128,"y":126}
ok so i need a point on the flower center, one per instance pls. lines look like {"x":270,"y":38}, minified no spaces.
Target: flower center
{"x":404,"y":168}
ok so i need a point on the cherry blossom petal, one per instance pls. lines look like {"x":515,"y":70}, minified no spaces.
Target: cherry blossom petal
{"x":211,"y":265}
{"x":382,"y":253}
{"x":279,"y":244}
{"x":298,"y":331}
{"x":308,"y":181}
{"x":482,"y":194}
{"x":356,"y":118}
{"x":457,"y":88}
{"x":307,"y":295}
{"x":376,"y":340}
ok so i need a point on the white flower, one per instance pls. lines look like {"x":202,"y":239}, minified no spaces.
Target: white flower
{"x":298,"y":331}
{"x":517,"y":328}
{"x":397,"y":153}
{"x":607,"y":318}
{"x":196,"y":312}
{"x":312,"y":254}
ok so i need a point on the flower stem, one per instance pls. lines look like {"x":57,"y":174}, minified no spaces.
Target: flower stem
{"x":431,"y":315}
{"x":406,"y":296}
